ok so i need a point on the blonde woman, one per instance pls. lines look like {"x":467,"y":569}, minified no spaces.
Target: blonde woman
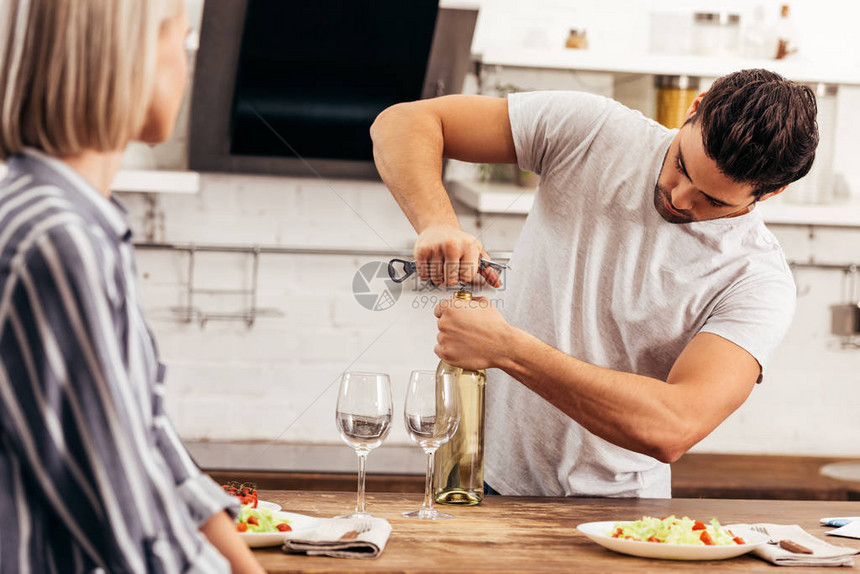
{"x":94,"y":477}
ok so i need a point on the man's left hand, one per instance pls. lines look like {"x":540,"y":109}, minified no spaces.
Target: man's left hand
{"x":472,"y":334}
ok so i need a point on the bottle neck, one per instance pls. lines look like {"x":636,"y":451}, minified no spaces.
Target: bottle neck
{"x":446,"y":367}
{"x":463,"y":295}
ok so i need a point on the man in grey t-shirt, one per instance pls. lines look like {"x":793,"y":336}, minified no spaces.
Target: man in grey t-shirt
{"x":648,"y":295}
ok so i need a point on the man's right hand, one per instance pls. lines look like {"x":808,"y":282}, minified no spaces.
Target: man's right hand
{"x":446,"y":255}
{"x":409,"y":141}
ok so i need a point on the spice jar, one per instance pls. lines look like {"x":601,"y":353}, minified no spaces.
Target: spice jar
{"x":577,"y":39}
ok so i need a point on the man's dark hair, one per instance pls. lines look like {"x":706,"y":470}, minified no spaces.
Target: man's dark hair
{"x":760,"y":128}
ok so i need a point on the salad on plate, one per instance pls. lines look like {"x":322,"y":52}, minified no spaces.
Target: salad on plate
{"x":261,"y":520}
{"x":673,"y":538}
{"x":673,"y":530}
{"x":261,"y":523}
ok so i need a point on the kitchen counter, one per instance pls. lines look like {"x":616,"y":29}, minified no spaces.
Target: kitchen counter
{"x":696,"y":475}
{"x":524,"y":534}
{"x":759,"y":476}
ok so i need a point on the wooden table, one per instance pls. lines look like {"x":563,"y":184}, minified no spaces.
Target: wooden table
{"x":519,"y":534}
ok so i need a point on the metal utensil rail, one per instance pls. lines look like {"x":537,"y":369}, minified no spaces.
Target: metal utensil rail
{"x":188,"y":313}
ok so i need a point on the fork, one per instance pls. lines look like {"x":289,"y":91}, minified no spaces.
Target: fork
{"x":784,"y":544}
{"x":763,"y":530}
{"x":360,"y":526}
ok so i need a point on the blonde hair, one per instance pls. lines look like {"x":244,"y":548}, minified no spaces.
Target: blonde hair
{"x":76,"y":74}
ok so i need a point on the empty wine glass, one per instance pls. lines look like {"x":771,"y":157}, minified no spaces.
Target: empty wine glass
{"x":363,"y":420}
{"x":432,"y":414}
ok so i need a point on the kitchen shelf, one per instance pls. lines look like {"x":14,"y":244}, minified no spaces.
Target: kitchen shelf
{"x":495,"y":198}
{"x":150,"y":181}
{"x":156,"y":181}
{"x":460,"y":4}
{"x":672,"y":65}
{"x":779,"y":212}
{"x":507,"y":198}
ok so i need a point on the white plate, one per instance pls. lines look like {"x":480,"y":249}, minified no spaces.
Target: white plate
{"x":268,"y":505}
{"x":298,"y":523}
{"x":600,"y":532}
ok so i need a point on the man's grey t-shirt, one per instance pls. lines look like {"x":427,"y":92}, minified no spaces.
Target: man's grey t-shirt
{"x":598,"y":274}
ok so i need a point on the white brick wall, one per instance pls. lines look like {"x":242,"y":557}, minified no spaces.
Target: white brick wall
{"x":809,"y":402}
{"x":229,"y":382}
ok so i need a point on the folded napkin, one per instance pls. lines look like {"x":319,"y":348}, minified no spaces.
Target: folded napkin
{"x":850,"y":530}
{"x":823,"y":553}
{"x":340,"y":538}
{"x":838,"y":520}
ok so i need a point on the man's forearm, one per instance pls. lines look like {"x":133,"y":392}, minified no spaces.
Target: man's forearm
{"x":639,"y":413}
{"x":407,"y":147}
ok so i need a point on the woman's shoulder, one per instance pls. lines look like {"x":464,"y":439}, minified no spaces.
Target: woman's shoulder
{"x":35,"y":212}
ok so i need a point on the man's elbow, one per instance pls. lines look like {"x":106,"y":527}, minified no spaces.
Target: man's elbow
{"x":668,"y":453}
{"x":386,"y":118}
{"x":668,"y":447}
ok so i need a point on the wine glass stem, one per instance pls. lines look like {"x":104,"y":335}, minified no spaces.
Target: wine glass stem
{"x":428,"y":481}
{"x":362,"y":468}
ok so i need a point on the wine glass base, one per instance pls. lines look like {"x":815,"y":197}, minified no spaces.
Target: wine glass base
{"x":425,"y":514}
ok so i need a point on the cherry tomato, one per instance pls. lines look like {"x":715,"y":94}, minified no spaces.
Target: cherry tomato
{"x":706,"y":538}
{"x":242,"y":527}
{"x":246,"y":493}
{"x":283,"y":527}
{"x":253,"y":520}
{"x":698,"y":525}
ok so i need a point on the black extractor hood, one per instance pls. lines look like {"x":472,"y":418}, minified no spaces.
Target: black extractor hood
{"x":292,"y":86}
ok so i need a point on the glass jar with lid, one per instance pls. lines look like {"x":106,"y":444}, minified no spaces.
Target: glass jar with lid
{"x":674,"y":96}
{"x":717,"y":34}
{"x":819,"y":185}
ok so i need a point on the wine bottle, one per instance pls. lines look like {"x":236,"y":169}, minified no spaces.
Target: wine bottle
{"x":458,"y":476}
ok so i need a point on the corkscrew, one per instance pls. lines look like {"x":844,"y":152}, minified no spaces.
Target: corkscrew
{"x":409,"y":268}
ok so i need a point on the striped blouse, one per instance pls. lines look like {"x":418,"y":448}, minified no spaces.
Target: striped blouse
{"x":95,"y":478}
